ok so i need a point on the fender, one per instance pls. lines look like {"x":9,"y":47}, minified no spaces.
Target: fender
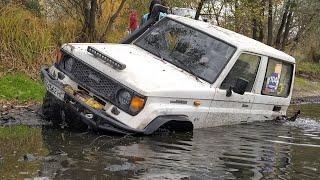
{"x":161,"y":120}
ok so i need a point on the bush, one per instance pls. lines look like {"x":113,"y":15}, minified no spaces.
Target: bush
{"x":25,"y":40}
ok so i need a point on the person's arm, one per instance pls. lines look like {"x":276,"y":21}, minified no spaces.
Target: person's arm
{"x":143,"y":19}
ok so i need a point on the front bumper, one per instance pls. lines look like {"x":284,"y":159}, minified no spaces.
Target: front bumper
{"x":94,"y":118}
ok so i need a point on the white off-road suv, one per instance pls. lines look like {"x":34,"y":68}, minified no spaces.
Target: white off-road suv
{"x":176,"y":73}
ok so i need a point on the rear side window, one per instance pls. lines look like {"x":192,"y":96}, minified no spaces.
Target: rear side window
{"x":246,"y":67}
{"x":277,"y":81}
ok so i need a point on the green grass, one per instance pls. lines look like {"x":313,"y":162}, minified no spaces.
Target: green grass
{"x":304,"y":87}
{"x":20,"y":131}
{"x":20,"y":87}
{"x":308,"y":67}
{"x":310,"y":86}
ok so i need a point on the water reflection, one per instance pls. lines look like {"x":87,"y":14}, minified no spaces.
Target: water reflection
{"x":267,"y":150}
{"x":259,"y":150}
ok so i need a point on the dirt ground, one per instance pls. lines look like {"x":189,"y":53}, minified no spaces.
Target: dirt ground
{"x":21,"y":115}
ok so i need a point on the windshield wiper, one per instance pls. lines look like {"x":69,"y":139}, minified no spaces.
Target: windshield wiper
{"x":186,"y":68}
{"x":189,"y":70}
{"x":160,"y":55}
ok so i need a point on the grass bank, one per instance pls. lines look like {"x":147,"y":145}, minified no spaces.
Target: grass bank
{"x":21,"y":88}
{"x":307,"y":82}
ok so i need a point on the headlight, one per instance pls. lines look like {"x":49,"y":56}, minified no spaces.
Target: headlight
{"x":68,"y":64}
{"x":132,"y":103}
{"x":124,"y":98}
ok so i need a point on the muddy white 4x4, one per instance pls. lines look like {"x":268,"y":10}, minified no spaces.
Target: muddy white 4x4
{"x":177,"y":73}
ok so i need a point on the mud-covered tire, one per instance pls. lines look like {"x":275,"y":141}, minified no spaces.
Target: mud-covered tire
{"x":74,"y":122}
{"x":51,"y":110}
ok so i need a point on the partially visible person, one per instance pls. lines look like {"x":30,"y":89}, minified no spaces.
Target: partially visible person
{"x":147,"y":16}
{"x":133,"y":21}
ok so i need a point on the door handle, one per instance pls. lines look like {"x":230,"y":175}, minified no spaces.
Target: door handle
{"x":245,"y":105}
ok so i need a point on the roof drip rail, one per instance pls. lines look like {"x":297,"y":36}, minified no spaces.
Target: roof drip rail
{"x":113,"y":63}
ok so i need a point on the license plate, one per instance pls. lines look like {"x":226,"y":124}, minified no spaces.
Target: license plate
{"x":54,"y":90}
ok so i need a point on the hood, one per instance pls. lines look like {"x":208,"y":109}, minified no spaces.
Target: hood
{"x":145,"y":73}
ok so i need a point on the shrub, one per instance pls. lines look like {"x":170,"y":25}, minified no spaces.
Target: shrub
{"x":25,"y":40}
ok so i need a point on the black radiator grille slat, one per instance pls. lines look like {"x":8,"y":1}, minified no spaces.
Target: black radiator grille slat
{"x":93,"y":80}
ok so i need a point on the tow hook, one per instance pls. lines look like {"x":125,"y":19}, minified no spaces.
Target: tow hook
{"x":89,"y":116}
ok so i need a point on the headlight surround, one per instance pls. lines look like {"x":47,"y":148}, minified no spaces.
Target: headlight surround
{"x":68,"y":64}
{"x":130,"y":101}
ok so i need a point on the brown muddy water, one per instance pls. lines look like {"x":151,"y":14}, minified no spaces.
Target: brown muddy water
{"x":264,"y":150}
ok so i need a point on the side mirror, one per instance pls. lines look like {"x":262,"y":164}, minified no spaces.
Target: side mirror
{"x":239,"y":88}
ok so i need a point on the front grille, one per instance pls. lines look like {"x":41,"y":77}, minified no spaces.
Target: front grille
{"x":94,"y":81}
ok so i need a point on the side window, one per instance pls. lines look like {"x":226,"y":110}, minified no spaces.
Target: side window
{"x":277,"y":81}
{"x":246,"y":67}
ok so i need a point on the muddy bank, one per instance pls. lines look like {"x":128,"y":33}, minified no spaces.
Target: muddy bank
{"x":306,"y":100}
{"x":22,"y":115}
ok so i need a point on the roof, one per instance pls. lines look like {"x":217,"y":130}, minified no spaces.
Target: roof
{"x":243,"y":43}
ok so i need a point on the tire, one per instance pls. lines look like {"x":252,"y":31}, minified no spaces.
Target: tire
{"x":51,"y":110}
{"x":54,"y":112}
{"x":74,"y":122}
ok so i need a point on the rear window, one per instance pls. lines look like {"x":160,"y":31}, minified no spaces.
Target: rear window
{"x":278,"y":78}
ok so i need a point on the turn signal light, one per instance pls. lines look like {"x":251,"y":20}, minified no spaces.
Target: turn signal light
{"x":197,"y":103}
{"x":136,"y":104}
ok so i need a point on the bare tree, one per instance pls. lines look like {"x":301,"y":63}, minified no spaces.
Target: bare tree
{"x":88,"y":13}
{"x":282,"y":24}
{"x":286,"y":30}
{"x":112,"y":20}
{"x":270,"y":22}
{"x":199,"y":8}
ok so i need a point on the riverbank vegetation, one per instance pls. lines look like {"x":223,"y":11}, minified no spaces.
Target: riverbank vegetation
{"x":32,"y":31}
{"x":20,"y":87}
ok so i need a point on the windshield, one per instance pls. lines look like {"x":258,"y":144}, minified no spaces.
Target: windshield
{"x":188,"y":48}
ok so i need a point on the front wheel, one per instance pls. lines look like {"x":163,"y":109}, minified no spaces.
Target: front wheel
{"x":51,"y":110}
{"x":54,"y":112}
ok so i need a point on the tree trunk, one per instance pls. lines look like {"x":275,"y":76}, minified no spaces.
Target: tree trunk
{"x":254,"y":29}
{"x":92,"y":20}
{"x":89,"y":15}
{"x":260,"y":24}
{"x":112,"y":20}
{"x":236,"y":16}
{"x":282,"y":25}
{"x":199,"y":9}
{"x":270,"y":23}
{"x":85,"y":26}
{"x":286,"y":31}
{"x":261,"y":32}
